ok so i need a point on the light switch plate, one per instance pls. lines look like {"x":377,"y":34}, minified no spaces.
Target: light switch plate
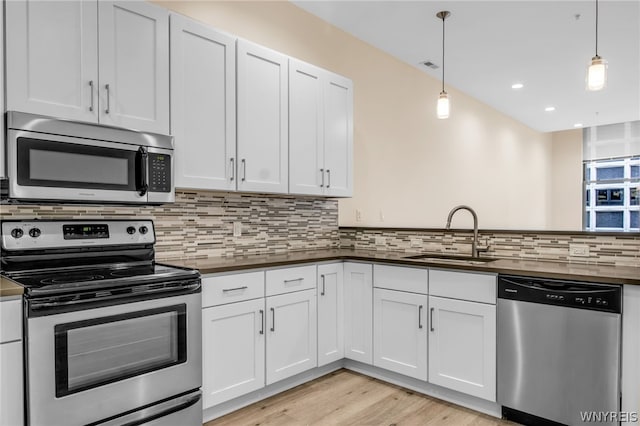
{"x":237,"y":229}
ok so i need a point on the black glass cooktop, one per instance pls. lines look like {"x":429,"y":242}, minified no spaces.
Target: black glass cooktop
{"x":77,"y":279}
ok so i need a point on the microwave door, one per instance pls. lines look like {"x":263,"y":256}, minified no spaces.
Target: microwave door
{"x":54,"y":167}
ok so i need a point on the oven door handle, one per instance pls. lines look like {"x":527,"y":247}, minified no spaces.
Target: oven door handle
{"x":142,"y":160}
{"x":148,"y":414}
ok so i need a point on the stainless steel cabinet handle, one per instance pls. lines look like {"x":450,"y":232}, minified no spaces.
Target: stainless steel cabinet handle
{"x":293,"y":280}
{"x":244,"y":169}
{"x":322,"y":174}
{"x":420,"y":316}
{"x":233,"y":169}
{"x":261,"y":321}
{"x":91,"y":88}
{"x":431,"y":319}
{"x":328,"y":178}
{"x":106,"y":111}
{"x":323,"y":288}
{"x":273,"y":319}
{"x":225,"y":290}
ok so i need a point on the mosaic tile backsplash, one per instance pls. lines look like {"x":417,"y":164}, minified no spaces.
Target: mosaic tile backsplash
{"x":200,"y":223}
{"x":618,"y":250}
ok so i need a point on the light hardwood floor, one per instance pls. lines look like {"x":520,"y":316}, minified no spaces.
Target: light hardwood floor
{"x":348,"y":398}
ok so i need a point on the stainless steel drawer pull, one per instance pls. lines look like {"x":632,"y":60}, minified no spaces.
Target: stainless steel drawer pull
{"x":261,"y":321}
{"x":233,"y":169}
{"x":273,"y":319}
{"x":322,"y":174}
{"x":323,"y":288}
{"x":294,"y":280}
{"x":431,"y":319}
{"x":106,"y":111}
{"x":225,"y":290}
{"x":420,"y":316}
{"x":91,"y":88}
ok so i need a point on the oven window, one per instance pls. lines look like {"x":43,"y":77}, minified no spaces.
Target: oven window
{"x":69,"y":165}
{"x":94,"y":352}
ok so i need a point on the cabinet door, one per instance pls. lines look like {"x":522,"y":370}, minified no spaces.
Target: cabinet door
{"x":400,"y":332}
{"x":291,"y":334}
{"x":203,"y":105}
{"x":262,"y":107}
{"x":462,"y":346}
{"x":233,"y":350}
{"x":134,"y":65}
{"x":330,"y":314}
{"x":52,"y":58}
{"x":306,"y":129}
{"x":338,"y":136}
{"x":358,"y":312}
{"x":11,"y":394}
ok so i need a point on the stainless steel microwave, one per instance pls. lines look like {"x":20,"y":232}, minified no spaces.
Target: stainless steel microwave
{"x":50,"y":159}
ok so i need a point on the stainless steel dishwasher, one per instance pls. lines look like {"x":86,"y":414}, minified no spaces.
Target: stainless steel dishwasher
{"x":558,"y":350}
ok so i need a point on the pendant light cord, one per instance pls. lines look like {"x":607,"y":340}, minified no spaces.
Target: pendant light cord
{"x":596,"y":27}
{"x":443,"y":18}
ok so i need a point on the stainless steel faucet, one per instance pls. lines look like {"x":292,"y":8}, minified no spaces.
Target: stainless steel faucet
{"x":474,"y":247}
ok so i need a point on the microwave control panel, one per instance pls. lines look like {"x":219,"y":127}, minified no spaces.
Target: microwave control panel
{"x":159,"y":172}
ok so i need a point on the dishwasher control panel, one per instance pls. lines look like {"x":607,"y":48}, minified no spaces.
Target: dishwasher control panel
{"x":570,"y":294}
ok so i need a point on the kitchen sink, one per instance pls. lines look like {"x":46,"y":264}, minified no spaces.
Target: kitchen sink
{"x":452,"y":259}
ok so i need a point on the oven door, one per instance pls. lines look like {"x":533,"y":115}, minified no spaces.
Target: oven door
{"x":89,"y":365}
{"x":52,"y":167}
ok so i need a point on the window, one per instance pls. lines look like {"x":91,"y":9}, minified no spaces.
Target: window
{"x":612,"y":177}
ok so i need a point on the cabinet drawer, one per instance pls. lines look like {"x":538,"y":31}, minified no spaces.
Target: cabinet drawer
{"x":463,"y":285}
{"x":286,"y":280}
{"x":400,"y":278}
{"x":10,"y":320}
{"x":232,"y":288}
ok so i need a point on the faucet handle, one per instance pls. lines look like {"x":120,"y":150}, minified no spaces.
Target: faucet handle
{"x":483,"y":249}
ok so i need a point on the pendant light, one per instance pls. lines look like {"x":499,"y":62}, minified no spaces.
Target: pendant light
{"x":443,"y":100}
{"x":597,"y":71}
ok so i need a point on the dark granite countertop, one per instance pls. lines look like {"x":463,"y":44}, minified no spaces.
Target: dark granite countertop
{"x":529,"y":267}
{"x":9,"y":288}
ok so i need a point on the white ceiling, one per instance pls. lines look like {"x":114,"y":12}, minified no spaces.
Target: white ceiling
{"x":492,"y":44}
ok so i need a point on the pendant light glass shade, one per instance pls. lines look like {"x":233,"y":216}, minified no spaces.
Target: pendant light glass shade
{"x":597,"y":71}
{"x":443,"y":105}
{"x":597,"y":74}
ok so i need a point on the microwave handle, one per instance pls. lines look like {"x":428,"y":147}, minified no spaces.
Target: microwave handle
{"x":142,"y":158}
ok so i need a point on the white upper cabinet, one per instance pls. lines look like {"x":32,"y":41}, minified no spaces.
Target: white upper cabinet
{"x":54,"y":69}
{"x":52,"y":58}
{"x":262,"y":105}
{"x":134,"y":65}
{"x":338,"y":135}
{"x":203,"y":105}
{"x":320,"y":131}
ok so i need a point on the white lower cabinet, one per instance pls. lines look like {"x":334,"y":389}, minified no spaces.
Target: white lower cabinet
{"x":233,"y":350}
{"x":400,"y":332}
{"x":330,"y":313}
{"x":358,"y":313}
{"x":291,"y":334}
{"x":11,"y":385}
{"x":462,"y":333}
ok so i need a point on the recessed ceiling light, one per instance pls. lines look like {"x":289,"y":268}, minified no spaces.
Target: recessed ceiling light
{"x":550,"y":108}
{"x":577,"y":125}
{"x":517,"y":86}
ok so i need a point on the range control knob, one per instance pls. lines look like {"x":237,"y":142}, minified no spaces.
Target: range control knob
{"x":143,"y":230}
{"x":17,"y":232}
{"x":131,"y":230}
{"x":35,"y":232}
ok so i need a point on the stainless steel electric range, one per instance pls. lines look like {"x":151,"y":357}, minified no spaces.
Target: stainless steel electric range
{"x":111,"y":337}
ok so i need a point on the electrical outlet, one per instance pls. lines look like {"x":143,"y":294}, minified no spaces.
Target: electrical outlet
{"x":237,"y":229}
{"x":358,"y":215}
{"x":380,"y":240}
{"x":416,"y":242}
{"x":578,"y":250}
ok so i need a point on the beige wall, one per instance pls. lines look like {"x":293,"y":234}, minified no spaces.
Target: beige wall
{"x":410,"y":167}
{"x":566,"y":176}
